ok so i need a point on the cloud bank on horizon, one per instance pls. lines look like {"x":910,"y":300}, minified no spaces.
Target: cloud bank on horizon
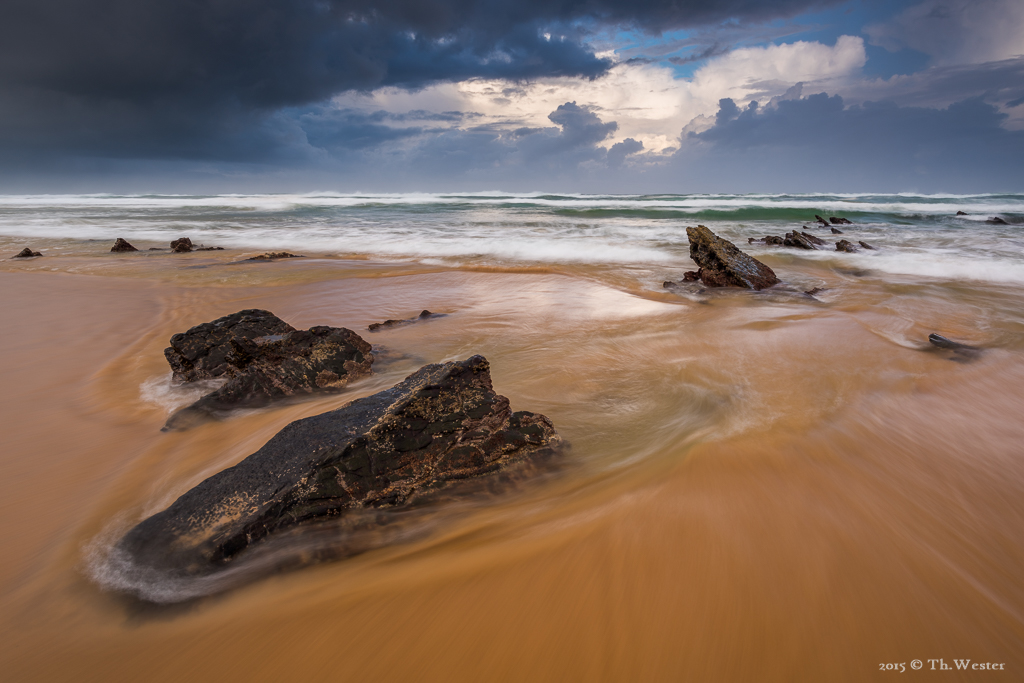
{"x":644,"y":96}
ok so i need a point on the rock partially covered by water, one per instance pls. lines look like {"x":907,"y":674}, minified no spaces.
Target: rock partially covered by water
{"x":424,"y":315}
{"x":722,"y":264}
{"x":799,"y":240}
{"x":274,"y":255}
{"x":264,"y":358}
{"x":961,"y":352}
{"x":846,"y":245}
{"x":121,"y":245}
{"x":182,"y":245}
{"x":840,"y":221}
{"x":26,"y":253}
{"x":442,"y":425}
{"x":836,"y":231}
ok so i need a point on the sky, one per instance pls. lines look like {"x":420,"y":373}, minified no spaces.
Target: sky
{"x":601,"y":96}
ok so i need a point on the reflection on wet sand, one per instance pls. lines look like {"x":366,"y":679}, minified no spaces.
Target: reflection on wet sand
{"x":760,"y":487}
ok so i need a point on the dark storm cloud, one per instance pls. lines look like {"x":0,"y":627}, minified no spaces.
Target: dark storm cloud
{"x":188,"y":78}
{"x":818,"y":142}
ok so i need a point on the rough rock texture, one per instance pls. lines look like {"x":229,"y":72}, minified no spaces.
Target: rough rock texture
{"x":264,"y":358}
{"x":845,"y":245}
{"x":836,"y":231}
{"x":796,"y":239}
{"x":767,"y":239}
{"x":181,"y":246}
{"x":821,"y":220}
{"x":866,"y":245}
{"x":424,"y":314}
{"x":443,"y":424}
{"x":722,"y":264}
{"x":840,"y":221}
{"x":273,"y":256}
{"x":26,"y":253}
{"x":812,"y":239}
{"x":122,"y":245}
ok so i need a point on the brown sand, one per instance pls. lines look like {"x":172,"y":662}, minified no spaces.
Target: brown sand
{"x":769,"y":492}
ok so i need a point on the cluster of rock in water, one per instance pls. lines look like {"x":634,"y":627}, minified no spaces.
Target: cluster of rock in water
{"x":400,"y":448}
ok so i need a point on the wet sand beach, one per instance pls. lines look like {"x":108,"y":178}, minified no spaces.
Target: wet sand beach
{"x":760,"y":486}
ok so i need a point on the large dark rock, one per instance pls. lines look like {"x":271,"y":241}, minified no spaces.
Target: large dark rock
{"x":836,"y":231}
{"x":263,"y":358}
{"x":182,"y":245}
{"x":799,"y":240}
{"x":840,"y":221}
{"x":821,"y":220}
{"x":395,"y":449}
{"x":722,"y":264}
{"x":26,"y":253}
{"x":121,"y":245}
{"x":846,"y":245}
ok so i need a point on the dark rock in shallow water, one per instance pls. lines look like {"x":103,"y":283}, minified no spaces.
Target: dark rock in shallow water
{"x":845,"y":245}
{"x":821,"y":220}
{"x":812,"y":239}
{"x":26,"y":253}
{"x":264,"y":358}
{"x":996,"y":220}
{"x":961,"y":213}
{"x":181,"y":246}
{"x":273,"y":256}
{"x":796,"y":239}
{"x":424,"y":314}
{"x":121,"y":245}
{"x":840,"y":221}
{"x":836,"y":231}
{"x":816,"y":290}
{"x":961,"y":352}
{"x":722,"y":264}
{"x":394,"y":449}
{"x":866,"y":245}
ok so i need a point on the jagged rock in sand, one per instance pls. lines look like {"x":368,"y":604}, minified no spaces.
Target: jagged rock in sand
{"x":821,"y":220}
{"x":961,"y":352}
{"x":444,"y":424}
{"x":866,"y":245}
{"x":121,"y":245}
{"x":424,"y":314}
{"x":836,"y":231}
{"x":263,"y":358}
{"x":845,"y":245}
{"x":961,"y":213}
{"x":26,"y":253}
{"x":274,"y":255}
{"x":996,"y":220}
{"x":839,"y":221}
{"x":722,"y":264}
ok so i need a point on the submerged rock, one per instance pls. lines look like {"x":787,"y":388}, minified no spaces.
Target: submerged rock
{"x":424,"y":314}
{"x":274,"y":255}
{"x":121,"y":245}
{"x":722,"y":264}
{"x":263,"y":358}
{"x":961,"y":213}
{"x":839,"y":221}
{"x":996,"y":220}
{"x":866,"y":245}
{"x":442,"y":425}
{"x":961,"y":352}
{"x":836,"y":231}
{"x":26,"y":253}
{"x":845,"y":245}
{"x":821,"y":220}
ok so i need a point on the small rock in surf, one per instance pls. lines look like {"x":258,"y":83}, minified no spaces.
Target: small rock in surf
{"x":121,"y":245}
{"x":846,"y":245}
{"x":424,"y":314}
{"x":722,"y":264}
{"x":26,"y":253}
